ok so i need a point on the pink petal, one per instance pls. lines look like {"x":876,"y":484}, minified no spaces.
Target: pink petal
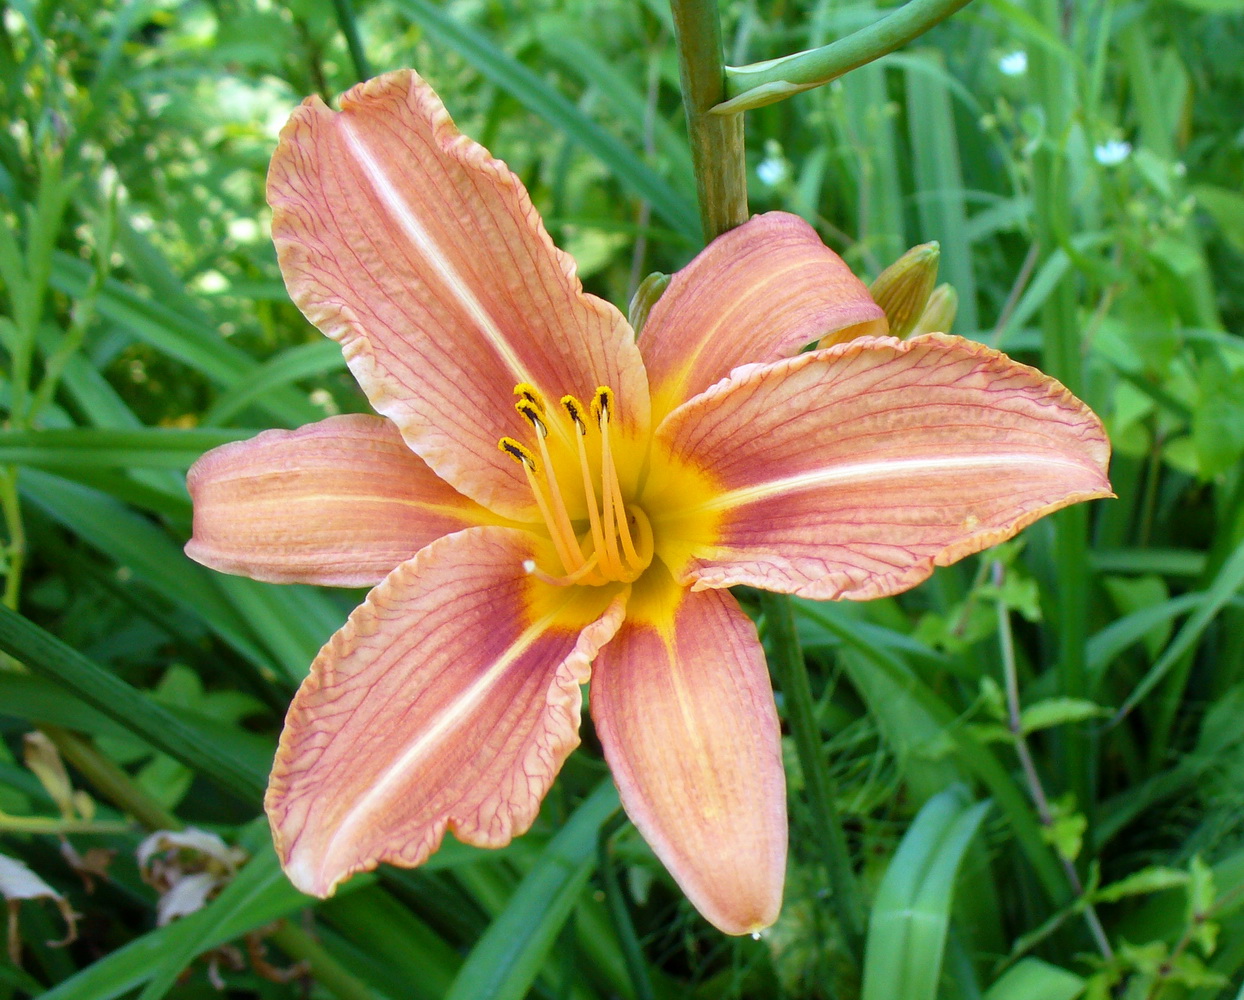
{"x":422,"y":255}
{"x":852,"y":472}
{"x":450,"y":699}
{"x":684,"y":709}
{"x":756,"y":294}
{"x":340,"y":502}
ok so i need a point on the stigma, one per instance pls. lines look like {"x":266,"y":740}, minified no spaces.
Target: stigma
{"x":608,"y":540}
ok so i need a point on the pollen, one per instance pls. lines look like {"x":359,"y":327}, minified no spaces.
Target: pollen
{"x":607,"y":540}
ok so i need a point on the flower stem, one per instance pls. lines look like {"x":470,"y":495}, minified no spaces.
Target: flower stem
{"x":349,"y":28}
{"x":716,"y":140}
{"x":110,"y":781}
{"x":792,"y":670}
{"x":774,"y":80}
{"x":1035,"y":789}
{"x":324,"y":967}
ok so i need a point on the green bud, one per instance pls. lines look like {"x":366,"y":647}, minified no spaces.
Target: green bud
{"x":646,"y":295}
{"x":903,"y":288}
{"x":939,"y":313}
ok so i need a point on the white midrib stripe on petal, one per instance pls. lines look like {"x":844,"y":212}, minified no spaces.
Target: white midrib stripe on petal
{"x":428,"y":248}
{"x":450,"y":718}
{"x":862,"y":472}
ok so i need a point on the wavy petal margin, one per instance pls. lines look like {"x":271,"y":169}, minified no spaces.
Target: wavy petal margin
{"x":852,"y":472}
{"x":422,"y":255}
{"x":758,"y":293}
{"x":684,"y":709}
{"x":340,"y":503}
{"x":449,"y":700}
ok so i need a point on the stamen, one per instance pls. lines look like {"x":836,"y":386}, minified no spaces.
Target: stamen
{"x":520,"y":453}
{"x":531,"y":394}
{"x":564,"y":541}
{"x":562,"y":525}
{"x":602,"y":403}
{"x":529,"y":410}
{"x":575,"y":409}
{"x":529,"y":565}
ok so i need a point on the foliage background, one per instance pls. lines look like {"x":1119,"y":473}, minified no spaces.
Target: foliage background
{"x":1082,"y":165}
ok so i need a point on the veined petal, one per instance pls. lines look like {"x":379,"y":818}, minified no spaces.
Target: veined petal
{"x":340,"y":502}
{"x":423,"y":256}
{"x":756,"y":294}
{"x":684,"y":709}
{"x":450,"y":699}
{"x":852,"y":472}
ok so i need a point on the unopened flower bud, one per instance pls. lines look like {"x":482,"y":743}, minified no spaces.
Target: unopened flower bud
{"x":903,"y":288}
{"x":645,"y":297}
{"x":939,"y":313}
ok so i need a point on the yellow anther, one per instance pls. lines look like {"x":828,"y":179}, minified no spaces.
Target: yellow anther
{"x":529,"y":410}
{"x":520,"y":453}
{"x":602,"y":403}
{"x":575,"y":409}
{"x":527,"y":391}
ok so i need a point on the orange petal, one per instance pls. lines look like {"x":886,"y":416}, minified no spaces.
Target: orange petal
{"x":756,"y":294}
{"x":339,"y":502}
{"x":423,"y":256}
{"x":852,"y":472}
{"x":449,"y":700}
{"x":684,"y":709}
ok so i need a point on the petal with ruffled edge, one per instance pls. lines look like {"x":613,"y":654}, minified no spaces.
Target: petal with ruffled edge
{"x":450,"y":699}
{"x":758,"y":293}
{"x":423,"y":256}
{"x":852,"y":472}
{"x":684,"y":709}
{"x":340,"y":503}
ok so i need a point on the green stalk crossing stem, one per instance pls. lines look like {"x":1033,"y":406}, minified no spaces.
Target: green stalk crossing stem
{"x":716,"y":141}
{"x":789,"y":665}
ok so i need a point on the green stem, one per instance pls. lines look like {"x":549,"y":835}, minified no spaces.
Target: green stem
{"x":326,"y":970}
{"x":624,"y":928}
{"x":15,"y":551}
{"x":792,"y":671}
{"x":716,"y":142}
{"x":1061,"y":358}
{"x":774,"y":80}
{"x":349,"y":28}
{"x":110,"y":781}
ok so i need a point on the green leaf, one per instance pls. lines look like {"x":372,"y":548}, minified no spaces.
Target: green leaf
{"x":505,"y":961}
{"x":1152,"y":879}
{"x":543,"y":101}
{"x":911,"y":914}
{"x":1033,"y":979}
{"x":1229,"y":580}
{"x":150,"y":448}
{"x":291,"y":365}
{"x":46,"y":655}
{"x":1058,"y":712}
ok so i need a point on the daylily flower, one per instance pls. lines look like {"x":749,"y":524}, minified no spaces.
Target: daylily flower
{"x":545,"y":497}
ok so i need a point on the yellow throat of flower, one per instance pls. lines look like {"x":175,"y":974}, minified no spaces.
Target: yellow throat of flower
{"x":616,"y":544}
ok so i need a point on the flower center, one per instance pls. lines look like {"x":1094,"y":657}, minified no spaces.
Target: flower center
{"x":615,"y":543}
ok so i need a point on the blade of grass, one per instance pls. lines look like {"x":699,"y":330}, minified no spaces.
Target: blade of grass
{"x":543,"y":101}
{"x":506,"y":960}
{"x":911,"y":914}
{"x":46,"y":655}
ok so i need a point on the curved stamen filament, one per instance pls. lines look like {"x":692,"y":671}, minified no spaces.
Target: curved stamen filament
{"x":620,"y":537}
{"x":575,"y":409}
{"x":561,"y":581}
{"x":564,"y":541}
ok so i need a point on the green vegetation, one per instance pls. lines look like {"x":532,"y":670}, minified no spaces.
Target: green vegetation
{"x":1031,"y":767}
